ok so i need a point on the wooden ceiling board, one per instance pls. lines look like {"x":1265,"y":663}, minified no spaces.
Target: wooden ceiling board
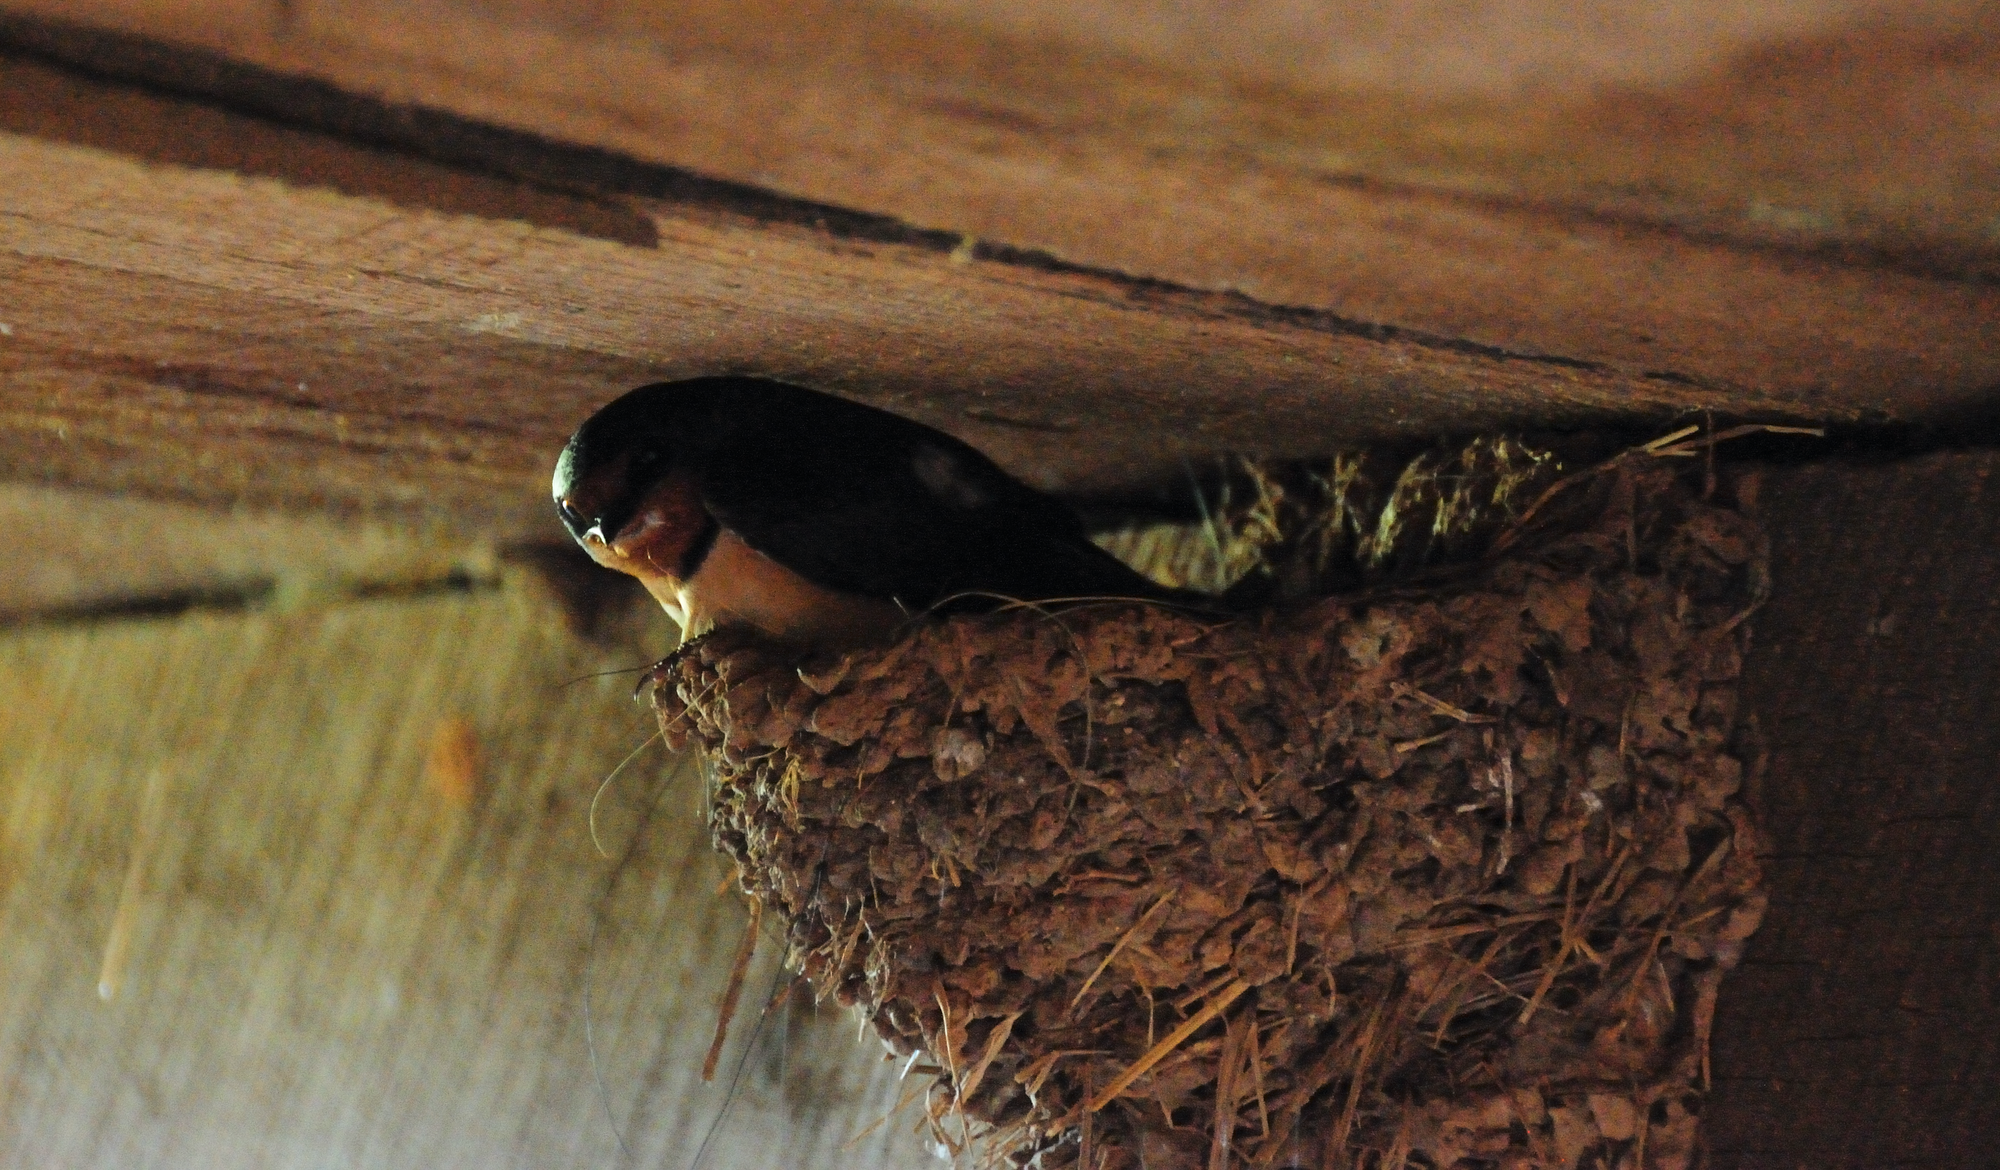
{"x":1575,"y":220}
{"x":325,"y":944}
{"x":198,"y":334}
{"x":212,"y":306}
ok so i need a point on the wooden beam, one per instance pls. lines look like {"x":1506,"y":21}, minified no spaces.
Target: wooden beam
{"x":1817,"y":123}
{"x":1572,"y":221}
{"x":1858,"y":1031}
{"x":336,"y":869}
{"x":73,"y":555}
{"x":366,"y":330}
{"x":194,"y":332}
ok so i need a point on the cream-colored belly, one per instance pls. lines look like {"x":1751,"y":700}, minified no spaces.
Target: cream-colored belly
{"x":738,"y":586}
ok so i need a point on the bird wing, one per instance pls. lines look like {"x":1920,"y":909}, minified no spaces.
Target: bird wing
{"x":867,"y":502}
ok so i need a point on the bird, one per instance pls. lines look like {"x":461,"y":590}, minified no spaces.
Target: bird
{"x":812,"y":519}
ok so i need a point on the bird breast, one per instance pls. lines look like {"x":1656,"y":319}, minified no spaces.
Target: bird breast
{"x":736,"y":585}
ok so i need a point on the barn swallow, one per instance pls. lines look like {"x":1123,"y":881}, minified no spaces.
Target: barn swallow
{"x":744,"y":501}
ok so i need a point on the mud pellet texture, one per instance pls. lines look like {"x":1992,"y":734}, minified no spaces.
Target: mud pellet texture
{"x":1443,"y":876}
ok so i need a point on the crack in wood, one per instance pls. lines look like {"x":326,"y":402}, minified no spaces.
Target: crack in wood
{"x":604,"y":176}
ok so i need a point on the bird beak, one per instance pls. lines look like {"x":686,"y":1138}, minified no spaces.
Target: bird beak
{"x":651,"y":540}
{"x":603,"y":551}
{"x":616,"y":550}
{"x":592,"y":538}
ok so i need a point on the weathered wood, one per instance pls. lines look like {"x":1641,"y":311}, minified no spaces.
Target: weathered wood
{"x":228,"y":338}
{"x":1850,"y":126}
{"x":337,"y":956}
{"x":409,"y":304}
{"x":1859,"y":1030}
{"x":185,"y":331}
{"x":75,"y":555}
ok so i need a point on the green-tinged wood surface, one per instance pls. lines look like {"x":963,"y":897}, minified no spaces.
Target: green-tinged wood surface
{"x":337,"y":956}
{"x":117,"y":553}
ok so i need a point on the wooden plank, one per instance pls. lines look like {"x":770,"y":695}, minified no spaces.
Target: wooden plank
{"x":337,"y":956}
{"x":1564,"y":222}
{"x":1842,"y":125}
{"x":222,"y":338}
{"x":121,"y":553}
{"x":186,"y":331}
{"x":1858,"y":1031}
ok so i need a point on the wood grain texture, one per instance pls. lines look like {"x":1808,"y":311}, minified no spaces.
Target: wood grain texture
{"x":331,"y":959}
{"x":315,"y":335}
{"x":1855,"y":124}
{"x":1858,"y":1031}
{"x":1859,"y":129}
{"x":226,"y":338}
{"x":1494,"y":47}
{"x":375,"y":258}
{"x":124,"y":553}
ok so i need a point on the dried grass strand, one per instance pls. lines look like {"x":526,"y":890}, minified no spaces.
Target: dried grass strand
{"x":1167,"y":1044}
{"x":1118,"y":946}
{"x":738,"y":973}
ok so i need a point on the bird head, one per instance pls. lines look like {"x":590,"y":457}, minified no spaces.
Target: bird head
{"x":627,"y":493}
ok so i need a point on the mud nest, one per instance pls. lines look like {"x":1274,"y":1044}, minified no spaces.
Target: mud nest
{"x":1441,"y":876}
